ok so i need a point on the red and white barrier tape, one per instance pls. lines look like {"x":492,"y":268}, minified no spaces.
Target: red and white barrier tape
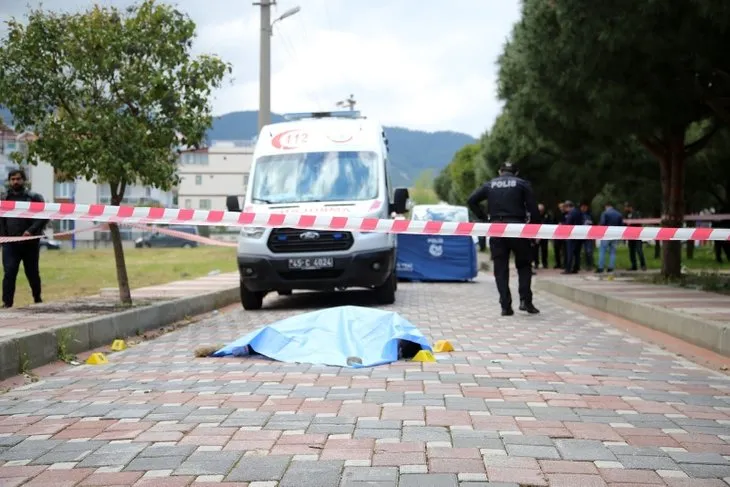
{"x":55,"y":235}
{"x":129,"y":214}
{"x":184,"y":235}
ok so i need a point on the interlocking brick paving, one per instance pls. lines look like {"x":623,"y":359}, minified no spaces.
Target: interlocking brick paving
{"x":556,"y":399}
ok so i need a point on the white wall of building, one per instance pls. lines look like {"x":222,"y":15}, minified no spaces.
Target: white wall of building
{"x":208,"y":176}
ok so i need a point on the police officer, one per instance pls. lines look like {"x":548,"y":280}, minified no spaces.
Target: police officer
{"x":510,"y":200}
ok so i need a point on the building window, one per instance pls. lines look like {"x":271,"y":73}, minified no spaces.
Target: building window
{"x":188,"y":203}
{"x":205,"y":204}
{"x":194,"y":158}
{"x":63,"y":190}
{"x":245,"y":179}
{"x":198,"y":180}
{"x":60,"y":226}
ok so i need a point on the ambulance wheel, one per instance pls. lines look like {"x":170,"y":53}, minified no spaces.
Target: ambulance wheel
{"x":251,"y":300}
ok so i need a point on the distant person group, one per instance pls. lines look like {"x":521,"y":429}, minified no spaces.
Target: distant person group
{"x":568,"y":252}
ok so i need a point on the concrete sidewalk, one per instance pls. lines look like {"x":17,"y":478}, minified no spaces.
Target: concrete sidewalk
{"x":31,"y":334}
{"x":699,"y":317}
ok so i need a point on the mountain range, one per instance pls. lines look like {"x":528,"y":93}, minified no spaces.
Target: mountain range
{"x":412,"y":151}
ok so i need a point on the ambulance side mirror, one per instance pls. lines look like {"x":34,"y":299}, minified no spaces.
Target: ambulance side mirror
{"x":232,"y":204}
{"x":400,"y":201}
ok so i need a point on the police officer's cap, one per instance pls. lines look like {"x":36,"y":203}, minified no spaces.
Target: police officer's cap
{"x":508,"y":166}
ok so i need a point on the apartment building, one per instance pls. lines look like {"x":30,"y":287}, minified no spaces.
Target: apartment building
{"x":209,"y":174}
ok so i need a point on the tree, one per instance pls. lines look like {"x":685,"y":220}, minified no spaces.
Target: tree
{"x":442,"y":184}
{"x":422,"y":192}
{"x":457,"y":180}
{"x":709,"y":180}
{"x":110,"y":94}
{"x":592,"y":65}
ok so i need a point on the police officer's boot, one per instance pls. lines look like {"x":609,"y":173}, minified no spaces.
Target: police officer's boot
{"x":529,"y":307}
{"x":507,"y":311}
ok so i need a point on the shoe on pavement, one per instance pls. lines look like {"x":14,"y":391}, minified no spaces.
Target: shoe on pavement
{"x":529,"y":307}
{"x":507,"y":311}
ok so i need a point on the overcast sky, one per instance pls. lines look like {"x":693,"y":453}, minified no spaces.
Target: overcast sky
{"x":422,"y":64}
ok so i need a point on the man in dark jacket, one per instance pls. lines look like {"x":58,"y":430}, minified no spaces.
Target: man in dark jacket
{"x":573,"y":246}
{"x":721,"y":246}
{"x":590,"y":244}
{"x":558,"y":244}
{"x":27,"y":252}
{"x":541,"y":245}
{"x":636,"y":247}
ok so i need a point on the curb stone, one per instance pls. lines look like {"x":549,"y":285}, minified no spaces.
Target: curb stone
{"x":711,"y":335}
{"x":36,"y":348}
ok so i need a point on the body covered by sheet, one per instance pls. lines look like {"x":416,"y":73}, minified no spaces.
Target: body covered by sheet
{"x":347,"y":336}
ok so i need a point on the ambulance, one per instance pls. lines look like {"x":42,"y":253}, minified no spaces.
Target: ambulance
{"x":333,"y":163}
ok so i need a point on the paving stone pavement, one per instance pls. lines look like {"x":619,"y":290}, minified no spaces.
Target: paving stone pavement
{"x":557,"y":399}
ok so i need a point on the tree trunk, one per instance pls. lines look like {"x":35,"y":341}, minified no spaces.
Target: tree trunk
{"x":125,"y":294}
{"x":672,"y":179}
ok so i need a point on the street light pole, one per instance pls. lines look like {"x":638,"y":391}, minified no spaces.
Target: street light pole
{"x":265,"y":58}
{"x":265,"y":64}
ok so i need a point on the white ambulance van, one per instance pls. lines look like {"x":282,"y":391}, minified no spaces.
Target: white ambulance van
{"x":333,"y":163}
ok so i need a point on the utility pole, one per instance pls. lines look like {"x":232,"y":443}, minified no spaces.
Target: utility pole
{"x":265,"y":64}
{"x":350,"y":102}
{"x":267,"y":30}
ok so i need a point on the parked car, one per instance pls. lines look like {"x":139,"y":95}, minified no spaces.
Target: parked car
{"x":159,"y":239}
{"x":50,"y":244}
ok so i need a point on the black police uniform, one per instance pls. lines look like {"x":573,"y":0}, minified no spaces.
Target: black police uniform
{"x":510,"y":200}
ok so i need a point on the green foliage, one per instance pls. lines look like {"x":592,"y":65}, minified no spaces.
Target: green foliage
{"x":457,"y":180}
{"x":586,"y":82}
{"x":110,"y":93}
{"x":708,"y":180}
{"x":422,"y":192}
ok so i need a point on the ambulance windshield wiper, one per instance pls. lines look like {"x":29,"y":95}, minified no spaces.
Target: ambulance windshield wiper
{"x":261,"y":200}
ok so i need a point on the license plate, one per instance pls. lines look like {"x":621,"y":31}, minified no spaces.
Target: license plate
{"x":312,"y":263}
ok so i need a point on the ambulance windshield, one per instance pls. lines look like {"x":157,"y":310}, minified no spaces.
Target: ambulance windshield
{"x":315,"y":176}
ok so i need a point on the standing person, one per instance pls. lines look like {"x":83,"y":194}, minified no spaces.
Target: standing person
{"x":510,"y":200}
{"x":636,"y":247}
{"x":558,"y":244}
{"x":721,"y":246}
{"x":573,"y":246}
{"x":590,"y":243}
{"x":27,"y":252}
{"x":541,"y":247}
{"x":610,"y":217}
